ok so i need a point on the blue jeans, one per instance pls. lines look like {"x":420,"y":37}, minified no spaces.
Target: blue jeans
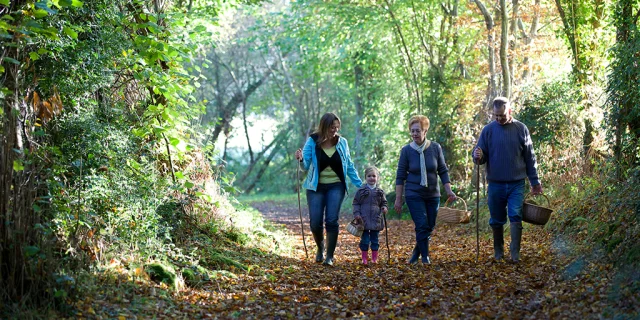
{"x":325,"y":202}
{"x":423,"y":213}
{"x":505,"y":198}
{"x":370,"y":236}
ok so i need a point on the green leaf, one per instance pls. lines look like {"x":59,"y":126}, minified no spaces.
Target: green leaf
{"x":4,"y":2}
{"x":43,"y":5}
{"x":34,"y":56}
{"x":204,"y":196}
{"x":72,"y":34}
{"x":17,"y":165}
{"x":59,"y":293}
{"x":174,"y":141}
{"x":77,"y":3}
{"x":179,"y":175}
{"x":1,"y":69}
{"x":188,"y":184}
{"x":133,"y":164}
{"x":12,"y":60}
{"x":39,"y":13}
{"x":31,"y":250}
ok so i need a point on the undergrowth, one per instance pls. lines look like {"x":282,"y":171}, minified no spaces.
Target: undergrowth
{"x":598,"y":221}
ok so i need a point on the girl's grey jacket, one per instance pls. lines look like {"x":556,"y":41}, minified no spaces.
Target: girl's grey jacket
{"x":368,"y":204}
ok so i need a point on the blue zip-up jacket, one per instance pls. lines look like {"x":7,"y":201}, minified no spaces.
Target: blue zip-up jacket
{"x":310,"y":163}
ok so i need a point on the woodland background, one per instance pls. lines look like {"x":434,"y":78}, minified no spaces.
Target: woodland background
{"x":131,"y":128}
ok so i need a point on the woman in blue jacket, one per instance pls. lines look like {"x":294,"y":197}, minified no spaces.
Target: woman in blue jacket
{"x":326,"y":157}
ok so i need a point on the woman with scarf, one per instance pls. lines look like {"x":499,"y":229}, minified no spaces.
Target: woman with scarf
{"x":420,"y":164}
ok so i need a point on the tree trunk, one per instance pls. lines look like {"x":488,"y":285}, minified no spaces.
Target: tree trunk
{"x":246,"y":129}
{"x":226,"y":113}
{"x":407,"y":55}
{"x":513,"y":44}
{"x":18,"y":188}
{"x":504,"y":50}
{"x":488,"y":20}
{"x":360,"y":93}
{"x":264,"y":167}
{"x":277,"y":140}
{"x":528,"y":38}
{"x":569,"y":31}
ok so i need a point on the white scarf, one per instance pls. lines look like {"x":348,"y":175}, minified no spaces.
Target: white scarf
{"x":423,"y":167}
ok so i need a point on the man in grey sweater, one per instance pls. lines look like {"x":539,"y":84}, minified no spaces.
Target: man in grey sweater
{"x":506,"y":147}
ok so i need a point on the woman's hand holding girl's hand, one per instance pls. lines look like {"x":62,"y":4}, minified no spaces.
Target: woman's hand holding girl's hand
{"x":398,"y":205}
{"x":299,"y":154}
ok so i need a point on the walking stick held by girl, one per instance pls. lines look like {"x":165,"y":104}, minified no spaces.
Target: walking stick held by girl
{"x":386,"y":234}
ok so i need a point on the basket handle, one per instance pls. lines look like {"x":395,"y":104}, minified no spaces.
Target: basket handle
{"x":540,"y":194}
{"x":465,"y":203}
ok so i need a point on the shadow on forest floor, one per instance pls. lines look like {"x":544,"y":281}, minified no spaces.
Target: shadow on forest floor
{"x":548,"y":283}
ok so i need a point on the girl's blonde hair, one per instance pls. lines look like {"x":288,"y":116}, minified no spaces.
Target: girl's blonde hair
{"x":370,"y":169}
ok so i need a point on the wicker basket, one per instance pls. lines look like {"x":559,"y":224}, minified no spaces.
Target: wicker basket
{"x":453,"y":216}
{"x":355,"y":228}
{"x":534,"y":213}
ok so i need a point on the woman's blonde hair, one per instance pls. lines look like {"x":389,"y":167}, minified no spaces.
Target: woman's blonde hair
{"x":422,"y":120}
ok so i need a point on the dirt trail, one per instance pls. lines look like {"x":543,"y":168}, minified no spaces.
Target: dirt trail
{"x":545,"y":285}
{"x":454,"y":286}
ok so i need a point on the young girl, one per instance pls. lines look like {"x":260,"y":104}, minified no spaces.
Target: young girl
{"x":369,"y":204}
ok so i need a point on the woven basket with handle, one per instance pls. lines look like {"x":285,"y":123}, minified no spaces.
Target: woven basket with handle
{"x":355,"y":228}
{"x":453,"y":216}
{"x":534,"y":213}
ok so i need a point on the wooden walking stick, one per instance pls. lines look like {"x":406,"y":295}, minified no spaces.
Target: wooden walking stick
{"x":300,"y":209}
{"x":477,"y":212}
{"x":386,"y":234}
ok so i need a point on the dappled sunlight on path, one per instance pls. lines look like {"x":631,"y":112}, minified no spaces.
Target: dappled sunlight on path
{"x":545,"y":285}
{"x":454,"y":286}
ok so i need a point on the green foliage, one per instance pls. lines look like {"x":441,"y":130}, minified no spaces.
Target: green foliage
{"x":95,"y":195}
{"x":123,"y":74}
{"x":162,"y":272}
{"x":236,"y":236}
{"x":555,"y":115}
{"x":552,"y":112}
{"x":623,"y":92}
{"x":601,"y":214}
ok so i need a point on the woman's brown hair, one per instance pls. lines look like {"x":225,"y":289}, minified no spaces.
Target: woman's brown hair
{"x":325,"y":125}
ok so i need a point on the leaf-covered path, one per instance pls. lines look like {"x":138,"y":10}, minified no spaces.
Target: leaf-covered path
{"x":545,"y":285}
{"x":454,"y":286}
